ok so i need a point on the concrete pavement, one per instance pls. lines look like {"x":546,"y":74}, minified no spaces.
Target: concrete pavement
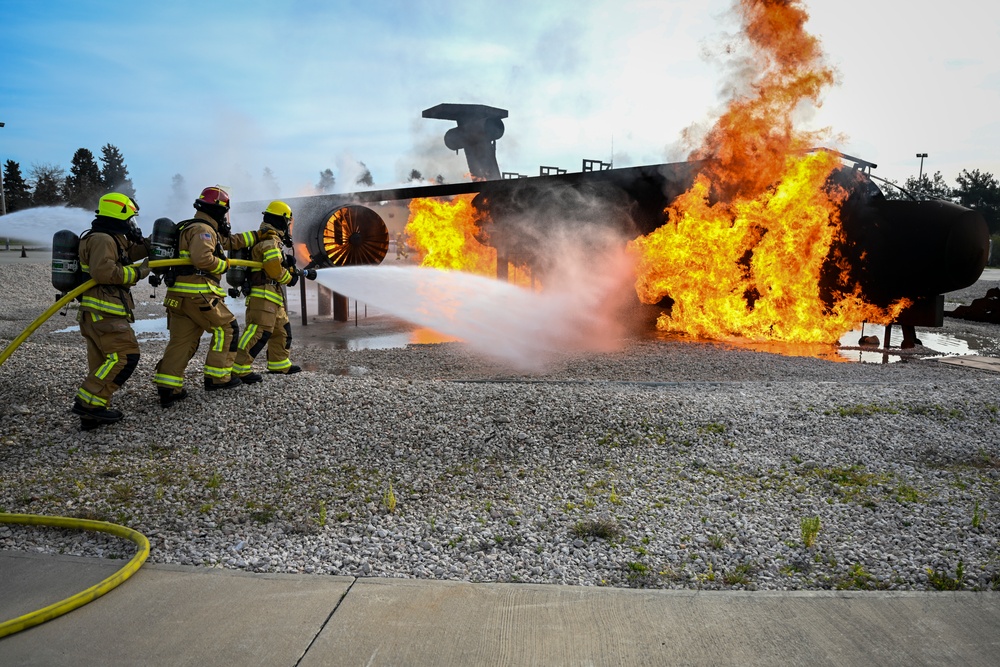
{"x":172,"y":615}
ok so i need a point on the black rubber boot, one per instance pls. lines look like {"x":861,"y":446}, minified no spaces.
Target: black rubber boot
{"x":250,"y":378}
{"x":234,"y":381}
{"x":168,"y":396}
{"x":292,"y":370}
{"x":96,"y":414}
{"x":88,"y":424}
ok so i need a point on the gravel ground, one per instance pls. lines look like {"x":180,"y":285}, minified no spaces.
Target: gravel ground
{"x":666,"y":464}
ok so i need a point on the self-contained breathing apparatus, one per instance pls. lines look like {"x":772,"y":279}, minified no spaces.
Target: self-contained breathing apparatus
{"x":241,"y":279}
{"x":237,"y":276}
{"x":165,"y":244}
{"x":67,"y":271}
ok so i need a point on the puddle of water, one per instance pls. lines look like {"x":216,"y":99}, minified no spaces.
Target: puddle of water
{"x":941,"y":344}
{"x":388,"y":341}
{"x":849,"y":350}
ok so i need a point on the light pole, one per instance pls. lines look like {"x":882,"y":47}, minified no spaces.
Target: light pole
{"x":3,"y":198}
{"x":920,"y":177}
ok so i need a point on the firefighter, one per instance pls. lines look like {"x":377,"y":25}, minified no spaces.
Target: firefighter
{"x":267,"y":319}
{"x":195,"y":301}
{"x":107,"y":252}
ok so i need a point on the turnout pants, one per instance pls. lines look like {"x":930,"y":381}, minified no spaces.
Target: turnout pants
{"x":266,"y":324}
{"x":112,"y":355}
{"x":188,"y":318}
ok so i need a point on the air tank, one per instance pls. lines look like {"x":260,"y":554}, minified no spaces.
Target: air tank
{"x":66,"y":272}
{"x":236,"y":276}
{"x":163,"y":239}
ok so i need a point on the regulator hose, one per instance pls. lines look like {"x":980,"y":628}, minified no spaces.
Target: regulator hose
{"x":69,"y":296}
{"x":92,"y":593}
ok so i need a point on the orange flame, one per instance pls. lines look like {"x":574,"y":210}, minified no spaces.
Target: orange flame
{"x":743,"y":248}
{"x":445,"y":235}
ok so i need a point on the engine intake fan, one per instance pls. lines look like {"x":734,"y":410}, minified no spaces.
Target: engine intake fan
{"x":349,"y":235}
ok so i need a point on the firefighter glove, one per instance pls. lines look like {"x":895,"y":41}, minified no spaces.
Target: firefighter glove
{"x":143,"y":269}
{"x":295,"y":277}
{"x":288,"y":261}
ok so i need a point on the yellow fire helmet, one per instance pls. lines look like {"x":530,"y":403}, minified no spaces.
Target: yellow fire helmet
{"x":118,"y":206}
{"x":280,"y":209}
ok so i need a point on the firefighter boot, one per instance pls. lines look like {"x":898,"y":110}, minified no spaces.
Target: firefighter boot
{"x":88,"y":424}
{"x":168,"y":396}
{"x":250,"y":378}
{"x":92,"y":416}
{"x":291,"y":370}
{"x":234,"y":381}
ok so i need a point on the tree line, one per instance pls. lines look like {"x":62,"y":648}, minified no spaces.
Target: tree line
{"x":978,"y":190}
{"x":50,"y":185}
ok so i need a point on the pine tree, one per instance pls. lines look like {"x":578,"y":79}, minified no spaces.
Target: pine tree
{"x":114,"y":173}
{"x":326,"y":182}
{"x":46,"y":180}
{"x":83,"y":187}
{"x":366,"y":176}
{"x":17,"y":197}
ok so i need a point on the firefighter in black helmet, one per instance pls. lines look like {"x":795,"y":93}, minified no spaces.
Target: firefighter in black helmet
{"x":107,"y":251}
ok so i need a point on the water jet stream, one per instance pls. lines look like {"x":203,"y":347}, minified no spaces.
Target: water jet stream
{"x":512,"y":324}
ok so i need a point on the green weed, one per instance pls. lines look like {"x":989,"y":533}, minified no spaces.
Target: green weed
{"x":738,"y":576}
{"x":942,"y":581}
{"x":389,"y":499}
{"x":810,"y":529}
{"x":978,"y":516}
{"x":604,"y":529}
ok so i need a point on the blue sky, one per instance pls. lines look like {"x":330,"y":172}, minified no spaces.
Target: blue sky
{"x":217,"y":91}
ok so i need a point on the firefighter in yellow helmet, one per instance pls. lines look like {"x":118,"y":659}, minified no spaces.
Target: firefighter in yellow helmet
{"x":267,"y":319}
{"x":195,"y":301}
{"x":107,"y":252}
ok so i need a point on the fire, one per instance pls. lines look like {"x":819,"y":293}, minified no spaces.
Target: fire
{"x":445,"y":235}
{"x":743,"y":249}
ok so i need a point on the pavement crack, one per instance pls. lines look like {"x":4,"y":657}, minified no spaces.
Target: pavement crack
{"x":325,"y":623}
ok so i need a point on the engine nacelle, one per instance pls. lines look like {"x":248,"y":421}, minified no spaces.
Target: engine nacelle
{"x":349,"y":235}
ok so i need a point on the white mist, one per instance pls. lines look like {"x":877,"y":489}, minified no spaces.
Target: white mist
{"x":515,"y":325}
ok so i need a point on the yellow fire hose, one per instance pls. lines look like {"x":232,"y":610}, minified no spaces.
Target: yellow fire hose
{"x":92,"y":593}
{"x":58,"y":305}
{"x":96,"y":591}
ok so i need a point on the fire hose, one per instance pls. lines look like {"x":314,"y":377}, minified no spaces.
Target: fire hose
{"x":99,"y":589}
{"x":69,"y":296}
